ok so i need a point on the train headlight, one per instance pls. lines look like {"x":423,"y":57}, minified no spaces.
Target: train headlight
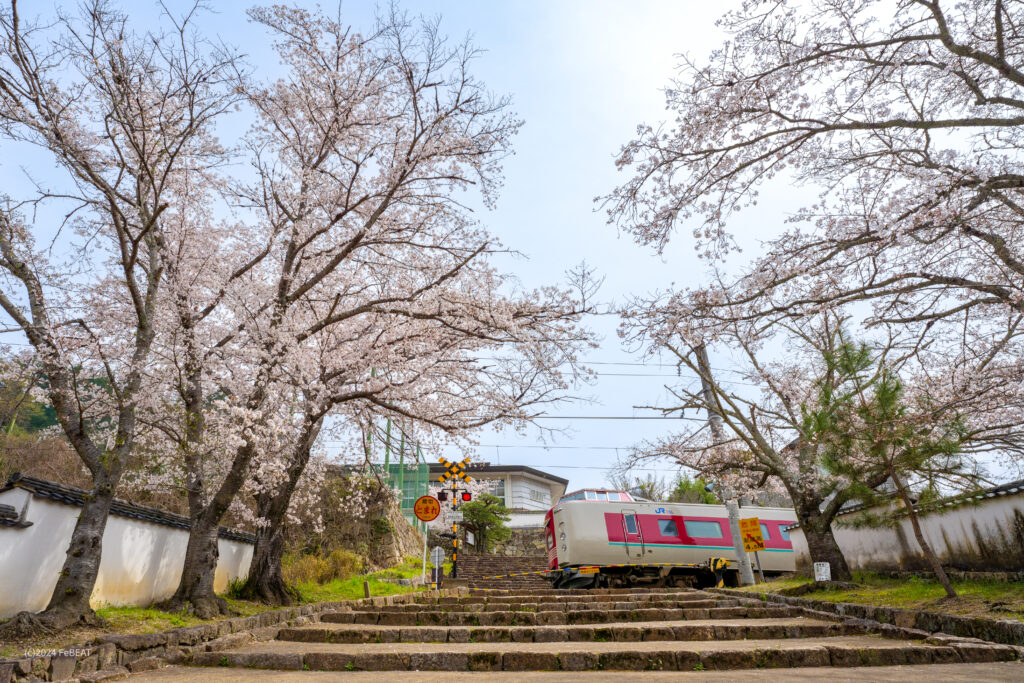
{"x":562,"y":537}
{"x":565,"y":548}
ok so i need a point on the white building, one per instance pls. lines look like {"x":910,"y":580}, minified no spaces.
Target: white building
{"x":528,"y":492}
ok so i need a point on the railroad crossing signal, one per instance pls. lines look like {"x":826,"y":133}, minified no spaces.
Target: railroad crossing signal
{"x":454,"y":470}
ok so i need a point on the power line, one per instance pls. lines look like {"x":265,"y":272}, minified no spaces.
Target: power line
{"x":617,"y":417}
{"x":535,"y":446}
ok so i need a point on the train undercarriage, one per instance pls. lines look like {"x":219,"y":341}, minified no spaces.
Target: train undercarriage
{"x":714,"y":572}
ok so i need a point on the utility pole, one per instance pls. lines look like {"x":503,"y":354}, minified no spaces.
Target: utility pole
{"x":455,"y":532}
{"x":718,"y":435}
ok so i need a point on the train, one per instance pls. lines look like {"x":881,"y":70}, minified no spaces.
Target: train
{"x":607,"y":539}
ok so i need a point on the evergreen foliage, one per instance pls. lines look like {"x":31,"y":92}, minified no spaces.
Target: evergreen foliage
{"x":486,"y":516}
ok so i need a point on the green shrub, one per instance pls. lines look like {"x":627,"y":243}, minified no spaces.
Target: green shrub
{"x":303,"y":568}
{"x":339,"y":564}
{"x":342,"y":564}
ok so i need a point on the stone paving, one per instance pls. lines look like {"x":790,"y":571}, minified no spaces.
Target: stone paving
{"x":540,"y":630}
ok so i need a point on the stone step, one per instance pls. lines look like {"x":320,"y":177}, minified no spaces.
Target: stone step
{"x":593,"y":592}
{"x":497,"y":597}
{"x":522,"y":606}
{"x":664,"y":630}
{"x":550,"y":617}
{"x":843,"y":651}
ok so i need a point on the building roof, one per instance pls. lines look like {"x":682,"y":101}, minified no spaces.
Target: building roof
{"x":1009,"y":489}
{"x":10,"y":517}
{"x":488,"y":468}
{"x":70,"y":495}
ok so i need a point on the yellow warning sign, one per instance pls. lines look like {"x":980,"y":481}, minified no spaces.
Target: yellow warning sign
{"x":750,"y":531}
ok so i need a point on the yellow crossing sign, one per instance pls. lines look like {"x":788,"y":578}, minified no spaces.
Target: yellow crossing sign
{"x":750,"y":531}
{"x":454,"y":470}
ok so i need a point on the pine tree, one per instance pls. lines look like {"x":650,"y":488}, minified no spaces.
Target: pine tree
{"x":487,"y":516}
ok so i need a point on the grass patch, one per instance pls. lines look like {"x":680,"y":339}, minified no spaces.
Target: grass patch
{"x":150,"y":620}
{"x":977,"y":598}
{"x":411,"y":568}
{"x":350,"y":589}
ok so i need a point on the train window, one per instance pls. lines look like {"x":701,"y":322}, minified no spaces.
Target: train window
{"x":602,"y":495}
{"x":631,"y":524}
{"x":785,"y":533}
{"x":765,"y":534}
{"x":703,"y":529}
{"x":667,"y":527}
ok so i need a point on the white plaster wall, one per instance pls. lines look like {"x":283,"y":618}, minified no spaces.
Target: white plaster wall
{"x":984,"y":537}
{"x":521,"y":499}
{"x":141,"y":561}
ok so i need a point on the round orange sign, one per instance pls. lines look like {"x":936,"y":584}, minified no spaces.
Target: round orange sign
{"x":426,"y":508}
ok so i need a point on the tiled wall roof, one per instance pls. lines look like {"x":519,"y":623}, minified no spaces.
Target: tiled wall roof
{"x":70,"y":495}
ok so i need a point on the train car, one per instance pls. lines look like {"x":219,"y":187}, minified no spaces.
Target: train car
{"x":644,"y":543}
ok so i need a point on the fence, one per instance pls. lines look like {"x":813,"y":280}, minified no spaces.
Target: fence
{"x":982,"y":532}
{"x":143,"y":548}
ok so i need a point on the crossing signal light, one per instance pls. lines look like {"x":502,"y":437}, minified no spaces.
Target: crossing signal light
{"x":467,"y":496}
{"x":442,"y":496}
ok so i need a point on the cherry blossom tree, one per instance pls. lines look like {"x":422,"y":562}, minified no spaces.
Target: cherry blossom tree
{"x":120,"y":114}
{"x":446,"y":376}
{"x":353,"y":253}
{"x":798,"y":423}
{"x":908,"y":118}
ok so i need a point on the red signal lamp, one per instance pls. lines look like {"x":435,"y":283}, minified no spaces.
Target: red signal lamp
{"x":467,"y":496}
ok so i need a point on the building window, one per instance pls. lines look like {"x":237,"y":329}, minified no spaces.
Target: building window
{"x":496,"y":488}
{"x":703,"y":529}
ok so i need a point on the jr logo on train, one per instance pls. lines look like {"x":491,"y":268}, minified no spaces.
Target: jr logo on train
{"x":607,"y":539}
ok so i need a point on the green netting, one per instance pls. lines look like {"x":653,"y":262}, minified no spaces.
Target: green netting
{"x":412,"y":480}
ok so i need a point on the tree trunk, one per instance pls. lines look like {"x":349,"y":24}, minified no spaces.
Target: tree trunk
{"x":69,"y":603}
{"x":265,"y":582}
{"x":266,"y":576}
{"x":821,"y":544}
{"x":929,"y":554}
{"x":195,"y":591}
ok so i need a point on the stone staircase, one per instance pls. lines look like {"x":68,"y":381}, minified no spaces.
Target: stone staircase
{"x":476,"y":567}
{"x":547,"y":630}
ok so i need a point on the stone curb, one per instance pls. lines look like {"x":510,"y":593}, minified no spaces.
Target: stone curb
{"x":901,"y":623}
{"x":604,"y":633}
{"x":624,"y":660}
{"x":114,"y":656}
{"x":550,"y":617}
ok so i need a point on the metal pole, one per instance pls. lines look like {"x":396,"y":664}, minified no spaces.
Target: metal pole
{"x":387,"y":446}
{"x":718,"y":434}
{"x":760,"y":573}
{"x":425,"y":534}
{"x":455,"y":530}
{"x":401,"y":467}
